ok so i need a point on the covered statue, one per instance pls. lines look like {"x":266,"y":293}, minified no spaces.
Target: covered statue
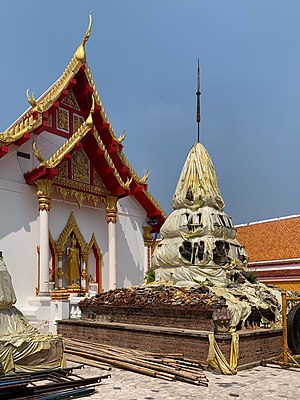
{"x":22,"y":347}
{"x":198,"y":239}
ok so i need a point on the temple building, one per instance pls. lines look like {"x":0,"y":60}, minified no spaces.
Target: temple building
{"x":274,"y":250}
{"x":75,"y":216}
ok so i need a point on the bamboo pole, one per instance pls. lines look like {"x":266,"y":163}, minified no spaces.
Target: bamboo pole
{"x":138,"y":361}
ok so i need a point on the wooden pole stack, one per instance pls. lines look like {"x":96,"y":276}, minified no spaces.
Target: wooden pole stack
{"x":165,"y":366}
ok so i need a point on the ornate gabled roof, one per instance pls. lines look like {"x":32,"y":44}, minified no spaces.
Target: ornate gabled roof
{"x":95,"y":135}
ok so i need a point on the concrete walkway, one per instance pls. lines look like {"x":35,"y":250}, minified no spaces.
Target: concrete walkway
{"x":258,"y":383}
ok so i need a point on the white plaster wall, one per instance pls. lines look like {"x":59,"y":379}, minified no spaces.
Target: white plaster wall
{"x":130,"y":242}
{"x":19,"y":236}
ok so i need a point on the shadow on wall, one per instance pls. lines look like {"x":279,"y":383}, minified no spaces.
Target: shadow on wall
{"x":130,"y":266}
{"x":17,"y":212}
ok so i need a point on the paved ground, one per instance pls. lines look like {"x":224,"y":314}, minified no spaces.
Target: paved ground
{"x":259,"y":383}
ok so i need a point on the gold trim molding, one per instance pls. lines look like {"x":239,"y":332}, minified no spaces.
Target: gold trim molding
{"x":111,"y":210}
{"x":91,"y":246}
{"x":44,"y":193}
{"x":72,"y":227}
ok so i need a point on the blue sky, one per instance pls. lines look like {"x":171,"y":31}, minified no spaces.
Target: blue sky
{"x":143,"y":56}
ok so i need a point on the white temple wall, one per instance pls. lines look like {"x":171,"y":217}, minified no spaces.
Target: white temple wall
{"x":130,"y":242}
{"x":19,"y":236}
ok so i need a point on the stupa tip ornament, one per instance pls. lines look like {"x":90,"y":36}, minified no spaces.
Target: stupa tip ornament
{"x":198,"y":239}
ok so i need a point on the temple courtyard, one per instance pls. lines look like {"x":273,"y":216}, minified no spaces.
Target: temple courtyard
{"x":259,"y":383}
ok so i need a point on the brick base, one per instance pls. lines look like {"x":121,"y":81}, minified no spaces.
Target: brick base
{"x":255,"y":345}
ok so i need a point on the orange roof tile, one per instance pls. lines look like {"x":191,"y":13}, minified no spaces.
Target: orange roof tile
{"x":271,"y":240}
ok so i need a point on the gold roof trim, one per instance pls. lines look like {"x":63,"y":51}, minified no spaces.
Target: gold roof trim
{"x":110,"y":162}
{"x":153,"y":201}
{"x":125,"y":161}
{"x":58,"y":156}
{"x":27,"y":122}
{"x":17,"y":131}
{"x":121,"y":137}
{"x":80,"y":52}
{"x":98,"y":100}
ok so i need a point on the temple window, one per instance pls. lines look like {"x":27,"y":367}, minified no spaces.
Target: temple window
{"x":62,"y":119}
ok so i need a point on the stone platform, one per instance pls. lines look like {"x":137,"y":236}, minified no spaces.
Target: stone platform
{"x":255,"y":345}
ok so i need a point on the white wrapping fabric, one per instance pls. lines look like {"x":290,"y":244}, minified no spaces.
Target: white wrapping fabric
{"x":22,"y":347}
{"x":7,"y":293}
{"x":199,"y":246}
{"x":198,"y":238}
{"x":198,"y":177}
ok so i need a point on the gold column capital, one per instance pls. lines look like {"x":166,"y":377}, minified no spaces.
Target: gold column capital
{"x":44,"y":193}
{"x":111,"y":209}
{"x":147,"y":235}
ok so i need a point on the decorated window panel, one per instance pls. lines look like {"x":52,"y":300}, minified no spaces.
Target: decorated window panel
{"x":81,"y":167}
{"x":77,"y":122}
{"x":63,"y":170}
{"x":62,"y":120}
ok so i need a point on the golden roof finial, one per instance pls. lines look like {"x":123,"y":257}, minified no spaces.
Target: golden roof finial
{"x":128,"y":183}
{"x":31,"y":100}
{"x":80,"y":52}
{"x":122,"y":137}
{"x":38,"y":154}
{"x":143,"y":180}
{"x":89,"y":120}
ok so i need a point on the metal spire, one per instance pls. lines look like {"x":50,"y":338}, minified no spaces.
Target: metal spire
{"x":198,"y":93}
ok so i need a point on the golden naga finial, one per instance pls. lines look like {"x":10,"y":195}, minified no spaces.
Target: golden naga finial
{"x":127,"y":184}
{"x":89,"y":120}
{"x":80,"y":52}
{"x":143,"y":180}
{"x":38,"y":154}
{"x":122,"y":137}
{"x":31,"y":100}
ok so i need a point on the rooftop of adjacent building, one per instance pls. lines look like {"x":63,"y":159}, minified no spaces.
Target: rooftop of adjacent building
{"x":272,"y":239}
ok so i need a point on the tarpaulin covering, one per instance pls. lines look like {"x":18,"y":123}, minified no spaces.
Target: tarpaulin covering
{"x":198,"y":238}
{"x":199,"y":244}
{"x":216,"y":358}
{"x":22,"y":347}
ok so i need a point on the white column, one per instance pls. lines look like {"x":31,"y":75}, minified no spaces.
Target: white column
{"x":44,"y":253}
{"x":44,"y":191}
{"x":112,"y":262}
{"x":111,"y":219}
{"x":83,"y":276}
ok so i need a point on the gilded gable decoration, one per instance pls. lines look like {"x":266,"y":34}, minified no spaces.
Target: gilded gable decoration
{"x":93,"y":245}
{"x":77,"y":122}
{"x":81,"y":167}
{"x":50,"y":121}
{"x":71,"y":228}
{"x":98,"y":181}
{"x":71,"y":101}
{"x":63,"y":170}
{"x":62,"y":120}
